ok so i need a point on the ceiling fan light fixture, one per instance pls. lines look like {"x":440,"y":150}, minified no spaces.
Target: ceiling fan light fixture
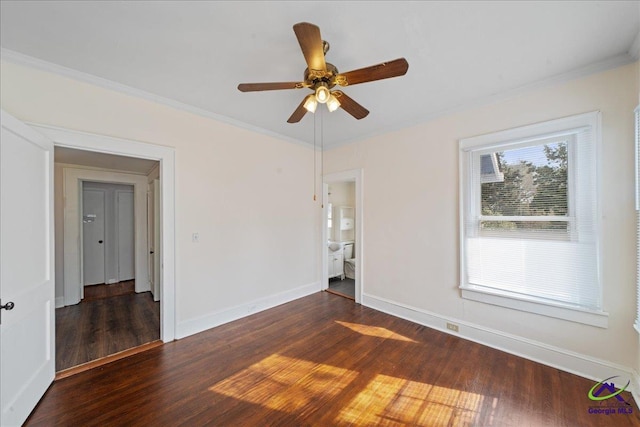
{"x":333,"y":104}
{"x":322,"y":93}
{"x":310,"y":104}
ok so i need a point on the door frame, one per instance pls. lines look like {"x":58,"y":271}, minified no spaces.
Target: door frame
{"x":166,"y":156}
{"x":353,"y":175}
{"x":73,"y":176}
{"x":153,"y":216}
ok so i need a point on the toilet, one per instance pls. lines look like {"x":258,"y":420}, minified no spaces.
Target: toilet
{"x":349,"y":261}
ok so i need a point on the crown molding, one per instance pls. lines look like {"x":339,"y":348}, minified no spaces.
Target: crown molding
{"x":29,"y":61}
{"x":595,"y":68}
{"x":632,"y":55}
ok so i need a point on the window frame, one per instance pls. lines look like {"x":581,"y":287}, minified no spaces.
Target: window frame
{"x":523,"y":136}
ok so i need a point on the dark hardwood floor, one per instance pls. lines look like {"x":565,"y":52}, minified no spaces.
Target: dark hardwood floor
{"x":324,"y":361}
{"x":96,"y":292}
{"x":345,"y":288}
{"x":110,"y":319}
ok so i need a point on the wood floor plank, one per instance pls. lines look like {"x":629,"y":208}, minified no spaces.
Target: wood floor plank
{"x":96,"y":292}
{"x":323,"y":361}
{"x":109,"y":322}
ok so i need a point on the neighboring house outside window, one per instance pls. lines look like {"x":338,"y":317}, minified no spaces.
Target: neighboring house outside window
{"x":529,"y":219}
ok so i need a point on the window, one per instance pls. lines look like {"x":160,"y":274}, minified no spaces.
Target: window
{"x":529,"y":219}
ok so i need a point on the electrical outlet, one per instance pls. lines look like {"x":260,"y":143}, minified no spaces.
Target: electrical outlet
{"x":452,"y":327}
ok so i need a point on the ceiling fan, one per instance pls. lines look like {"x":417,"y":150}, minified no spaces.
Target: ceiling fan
{"x":321,"y":77}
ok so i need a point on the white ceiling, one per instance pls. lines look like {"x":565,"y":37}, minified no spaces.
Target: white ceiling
{"x":103,"y":160}
{"x":194,"y":54}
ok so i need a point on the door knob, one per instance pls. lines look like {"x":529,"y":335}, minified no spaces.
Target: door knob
{"x":100,"y":241}
{"x":8,"y":306}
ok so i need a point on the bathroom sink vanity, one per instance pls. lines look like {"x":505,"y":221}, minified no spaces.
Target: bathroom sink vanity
{"x":335,"y":260}
{"x":340,"y":224}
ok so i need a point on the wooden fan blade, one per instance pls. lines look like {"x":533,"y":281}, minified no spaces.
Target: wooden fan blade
{"x":395,"y":68}
{"x":311,"y":44}
{"x":299,"y":113}
{"x":253,"y":87}
{"x":350,"y":106}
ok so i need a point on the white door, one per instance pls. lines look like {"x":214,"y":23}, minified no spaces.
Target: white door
{"x":153,"y":237}
{"x":27,"y":338}
{"x":93,"y":237}
{"x":126,"y":241}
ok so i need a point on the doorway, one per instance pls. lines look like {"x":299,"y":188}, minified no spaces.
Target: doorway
{"x":108,"y":230}
{"x":342,"y":251}
{"x":120,"y":154}
{"x":341,"y":263}
{"x":111,"y":309}
{"x":124,"y":149}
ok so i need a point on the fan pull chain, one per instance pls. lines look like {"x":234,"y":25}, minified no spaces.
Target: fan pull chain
{"x":315,"y":184}
{"x":322,"y":154}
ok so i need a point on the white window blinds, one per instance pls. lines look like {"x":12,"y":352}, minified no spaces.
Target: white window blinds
{"x":529,"y":229}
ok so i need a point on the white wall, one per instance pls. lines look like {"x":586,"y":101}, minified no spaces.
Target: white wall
{"x":247,"y":195}
{"x":341,"y":194}
{"x":411,"y":217}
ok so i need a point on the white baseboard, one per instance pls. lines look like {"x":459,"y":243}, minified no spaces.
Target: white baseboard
{"x":575,"y":363}
{"x":193,"y":326}
{"x":59,"y":302}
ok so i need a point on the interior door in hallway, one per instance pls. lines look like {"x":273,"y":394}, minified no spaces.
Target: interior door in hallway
{"x":93,"y":236}
{"x":125,"y":229}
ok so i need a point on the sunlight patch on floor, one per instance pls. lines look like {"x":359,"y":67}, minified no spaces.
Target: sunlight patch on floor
{"x":374,"y":331}
{"x":285,"y":384}
{"x":390,"y":400}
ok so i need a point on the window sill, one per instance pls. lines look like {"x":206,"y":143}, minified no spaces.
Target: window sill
{"x":599,"y":319}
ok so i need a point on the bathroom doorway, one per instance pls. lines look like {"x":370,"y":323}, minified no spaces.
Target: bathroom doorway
{"x":342,"y":235}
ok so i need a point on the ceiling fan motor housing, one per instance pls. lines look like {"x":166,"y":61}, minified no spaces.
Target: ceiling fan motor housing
{"x":313,"y":77}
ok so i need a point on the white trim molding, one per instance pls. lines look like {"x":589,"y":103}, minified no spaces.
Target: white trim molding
{"x":166,"y":156}
{"x":599,"y":319}
{"x":73,"y":240}
{"x":39,"y":64}
{"x":608,"y":64}
{"x":575,"y":363}
{"x":194,"y":326}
